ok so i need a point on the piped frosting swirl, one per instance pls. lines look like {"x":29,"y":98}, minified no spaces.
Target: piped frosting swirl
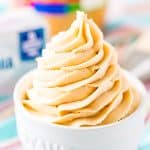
{"x":78,"y":81}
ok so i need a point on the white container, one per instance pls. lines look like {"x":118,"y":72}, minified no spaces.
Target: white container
{"x":23,"y":34}
{"x":38,"y":135}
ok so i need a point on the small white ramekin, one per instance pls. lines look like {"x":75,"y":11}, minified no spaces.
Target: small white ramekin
{"x":36,"y":134}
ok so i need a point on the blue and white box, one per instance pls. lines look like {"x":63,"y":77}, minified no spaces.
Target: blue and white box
{"x":23,"y":35}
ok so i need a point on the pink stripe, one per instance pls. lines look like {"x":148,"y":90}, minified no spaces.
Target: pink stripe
{"x":147,"y":119}
{"x":141,"y":8}
{"x":147,"y":84}
{"x":6,"y":105}
{"x":124,"y":30}
{"x":15,"y":144}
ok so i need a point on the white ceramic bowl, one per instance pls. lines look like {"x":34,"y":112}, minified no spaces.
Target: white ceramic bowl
{"x":39,"y":135}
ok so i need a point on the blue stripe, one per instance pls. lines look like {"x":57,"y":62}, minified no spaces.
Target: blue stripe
{"x":135,"y":20}
{"x":4,"y":99}
{"x":8,"y":129}
{"x":51,"y":8}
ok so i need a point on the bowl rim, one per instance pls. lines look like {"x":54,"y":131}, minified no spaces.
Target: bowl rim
{"x":140,"y":87}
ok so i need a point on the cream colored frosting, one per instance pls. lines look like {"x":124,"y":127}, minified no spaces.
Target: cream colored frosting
{"x":78,"y":81}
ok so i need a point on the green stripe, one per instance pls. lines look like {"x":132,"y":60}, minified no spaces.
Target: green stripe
{"x":73,"y":7}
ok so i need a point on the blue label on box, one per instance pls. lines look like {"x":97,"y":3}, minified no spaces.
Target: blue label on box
{"x":31,"y":44}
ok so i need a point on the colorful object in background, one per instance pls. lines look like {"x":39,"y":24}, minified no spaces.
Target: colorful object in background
{"x":20,"y":43}
{"x":56,"y":7}
{"x":60,"y":13}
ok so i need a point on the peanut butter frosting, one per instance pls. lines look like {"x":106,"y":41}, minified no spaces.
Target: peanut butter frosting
{"x":78,"y":81}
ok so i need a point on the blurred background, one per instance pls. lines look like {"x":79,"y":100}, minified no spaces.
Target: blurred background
{"x":26,"y":26}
